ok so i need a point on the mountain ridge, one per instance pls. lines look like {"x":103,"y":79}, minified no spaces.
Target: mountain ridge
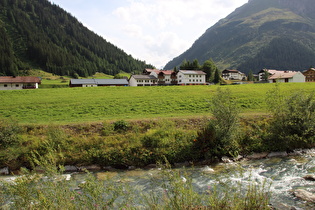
{"x":39,"y":34}
{"x":235,"y":41}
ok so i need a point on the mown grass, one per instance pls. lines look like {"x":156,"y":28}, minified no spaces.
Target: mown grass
{"x":71,"y":105}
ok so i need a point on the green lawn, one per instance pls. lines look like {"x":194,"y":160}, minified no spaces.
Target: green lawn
{"x":70,"y":105}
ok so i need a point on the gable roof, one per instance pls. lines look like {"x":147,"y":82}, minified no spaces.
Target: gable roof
{"x":283,"y":75}
{"x":98,"y":82}
{"x":10,"y":79}
{"x":144,"y":77}
{"x":192,"y":72}
{"x":167,"y":72}
{"x":230,"y":71}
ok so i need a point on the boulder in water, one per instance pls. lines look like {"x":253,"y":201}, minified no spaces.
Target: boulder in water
{"x":4,"y":171}
{"x":304,"y":195}
{"x":257,"y":156}
{"x":277,"y":154}
{"x":309,"y":177}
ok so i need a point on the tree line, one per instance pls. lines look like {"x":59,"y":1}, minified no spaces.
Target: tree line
{"x":38,"y":34}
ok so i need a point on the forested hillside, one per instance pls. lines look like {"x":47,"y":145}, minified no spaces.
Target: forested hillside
{"x":38,"y":34}
{"x":277,"y":34}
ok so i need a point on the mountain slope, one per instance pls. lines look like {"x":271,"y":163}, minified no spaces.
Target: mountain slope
{"x":277,"y":34}
{"x":36,"y":33}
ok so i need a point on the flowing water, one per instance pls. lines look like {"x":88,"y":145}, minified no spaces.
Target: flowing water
{"x":284,"y":174}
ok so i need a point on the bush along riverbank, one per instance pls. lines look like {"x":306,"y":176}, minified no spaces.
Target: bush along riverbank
{"x":122,"y":144}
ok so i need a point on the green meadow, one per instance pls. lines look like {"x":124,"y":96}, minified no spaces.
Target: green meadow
{"x":78,"y":105}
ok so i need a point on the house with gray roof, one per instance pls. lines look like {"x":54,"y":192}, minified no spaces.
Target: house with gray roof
{"x":97,"y":82}
{"x":190,"y":77}
{"x":143,"y":80}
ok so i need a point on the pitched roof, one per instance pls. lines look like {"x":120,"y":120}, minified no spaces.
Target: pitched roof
{"x":167,"y":72}
{"x":283,"y":75}
{"x":144,"y":77}
{"x":10,"y":79}
{"x":98,"y":82}
{"x":230,"y":71}
{"x":192,"y":72}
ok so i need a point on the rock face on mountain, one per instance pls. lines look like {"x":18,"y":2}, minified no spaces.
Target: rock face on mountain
{"x":277,"y":34}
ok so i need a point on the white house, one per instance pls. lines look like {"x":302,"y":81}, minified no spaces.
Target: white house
{"x":228,"y":74}
{"x":143,"y":80}
{"x":19,"y":83}
{"x":286,"y":76}
{"x":165,"y":77}
{"x":190,"y":77}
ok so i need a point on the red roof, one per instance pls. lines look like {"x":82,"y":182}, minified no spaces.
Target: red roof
{"x":9,"y":79}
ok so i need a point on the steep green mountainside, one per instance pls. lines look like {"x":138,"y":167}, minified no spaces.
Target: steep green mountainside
{"x":278,"y":34}
{"x":38,"y":34}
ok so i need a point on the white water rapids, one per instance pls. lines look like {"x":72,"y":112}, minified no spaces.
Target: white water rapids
{"x":284,"y":175}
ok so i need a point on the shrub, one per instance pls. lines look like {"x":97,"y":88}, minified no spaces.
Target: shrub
{"x":9,"y":130}
{"x":293,"y":123}
{"x":121,"y":125}
{"x":220,"y":136}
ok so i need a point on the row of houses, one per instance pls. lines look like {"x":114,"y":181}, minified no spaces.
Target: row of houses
{"x":273,"y":76}
{"x":154,"y":77}
{"x":149,"y":77}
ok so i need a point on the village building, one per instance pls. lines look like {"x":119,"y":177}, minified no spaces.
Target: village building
{"x":165,"y":77}
{"x":229,"y":74}
{"x":143,"y":80}
{"x":168,"y":77}
{"x":287,"y":76}
{"x":19,"y":82}
{"x":97,"y":82}
{"x":309,"y":75}
{"x":262,"y":74}
{"x":190,"y":77}
{"x":281,"y":76}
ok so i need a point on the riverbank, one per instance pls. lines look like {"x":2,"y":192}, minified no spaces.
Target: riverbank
{"x":125,"y":144}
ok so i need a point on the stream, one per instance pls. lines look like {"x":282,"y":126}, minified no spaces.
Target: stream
{"x":285,"y":174}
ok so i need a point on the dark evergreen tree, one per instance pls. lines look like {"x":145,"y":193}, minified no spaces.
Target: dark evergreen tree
{"x":250,"y":76}
{"x":217,"y":77}
{"x":209,"y":68}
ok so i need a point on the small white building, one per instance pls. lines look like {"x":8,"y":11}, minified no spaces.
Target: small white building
{"x":286,"y":76}
{"x":190,"y":77}
{"x":229,"y":74}
{"x":143,"y":80}
{"x":19,"y":83}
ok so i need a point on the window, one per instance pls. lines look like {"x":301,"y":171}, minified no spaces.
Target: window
{"x":5,"y":85}
{"x":17,"y":85}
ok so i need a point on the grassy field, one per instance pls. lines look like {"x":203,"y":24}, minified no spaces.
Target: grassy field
{"x":78,"y":105}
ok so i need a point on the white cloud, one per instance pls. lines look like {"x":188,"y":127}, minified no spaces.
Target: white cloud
{"x":152,"y":30}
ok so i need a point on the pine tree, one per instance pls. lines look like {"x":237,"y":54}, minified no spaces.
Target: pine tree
{"x":250,"y":76}
{"x":217,"y":77}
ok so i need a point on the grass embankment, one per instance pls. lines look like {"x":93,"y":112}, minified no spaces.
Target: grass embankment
{"x":78,"y":105}
{"x":90,"y":126}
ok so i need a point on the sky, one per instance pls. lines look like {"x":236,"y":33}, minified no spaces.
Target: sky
{"x":154,"y":31}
